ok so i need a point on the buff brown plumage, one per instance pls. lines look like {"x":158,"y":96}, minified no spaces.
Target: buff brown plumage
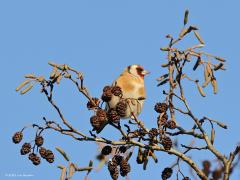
{"x":131,"y":81}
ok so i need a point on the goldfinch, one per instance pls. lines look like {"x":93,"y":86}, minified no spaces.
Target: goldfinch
{"x":131,"y":82}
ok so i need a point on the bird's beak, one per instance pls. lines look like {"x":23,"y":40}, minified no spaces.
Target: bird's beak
{"x":144,"y":72}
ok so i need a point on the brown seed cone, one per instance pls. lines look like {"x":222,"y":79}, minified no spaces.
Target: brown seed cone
{"x":39,"y":140}
{"x":160,"y":107}
{"x":117,"y":91}
{"x":171,"y":124}
{"x":112,"y":165}
{"x":106,"y":150}
{"x":113,"y":170}
{"x":96,"y":123}
{"x":124,"y":168}
{"x":31,"y":156}
{"x":42,"y":152}
{"x":36,"y":161}
{"x":117,"y":159}
{"x":17,"y":137}
{"x":107,"y":94}
{"x":121,"y":108}
{"x":90,"y":104}
{"x":34,"y":158}
{"x":26,"y":148}
{"x":114,"y":174}
{"x":101,"y":114}
{"x":162,"y":120}
{"x":153,"y":133}
{"x":49,"y":156}
{"x":217,"y":174}
{"x":167,"y":173}
{"x":167,"y":143}
{"x":122,"y":149}
{"x":107,"y":88}
{"x":113,"y":116}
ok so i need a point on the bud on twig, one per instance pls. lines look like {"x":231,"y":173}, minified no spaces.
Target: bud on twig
{"x":186,"y":17}
{"x":197,"y":63}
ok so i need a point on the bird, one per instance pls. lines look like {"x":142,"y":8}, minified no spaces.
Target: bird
{"x":131,"y":82}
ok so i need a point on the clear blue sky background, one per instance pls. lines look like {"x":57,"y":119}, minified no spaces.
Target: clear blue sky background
{"x":100,"y":38}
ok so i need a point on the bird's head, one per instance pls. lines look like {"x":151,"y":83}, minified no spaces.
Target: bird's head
{"x":137,"y":70}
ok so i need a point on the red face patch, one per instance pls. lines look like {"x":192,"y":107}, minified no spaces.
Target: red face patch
{"x":139,"y":71}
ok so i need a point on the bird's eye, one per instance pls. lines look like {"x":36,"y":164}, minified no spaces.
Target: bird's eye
{"x":139,"y":70}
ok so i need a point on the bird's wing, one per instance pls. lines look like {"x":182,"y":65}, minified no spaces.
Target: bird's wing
{"x":131,"y":86}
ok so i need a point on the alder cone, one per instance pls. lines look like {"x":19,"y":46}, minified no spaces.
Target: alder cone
{"x":124,"y":167}
{"x":42,"y":152}
{"x":167,"y":143}
{"x":117,"y":159}
{"x":26,"y":148}
{"x":101,"y":114}
{"x":49,"y":156}
{"x":106,"y":150}
{"x":36,"y":161}
{"x":17,"y":137}
{"x":113,"y":116}
{"x":96,"y":122}
{"x":39,"y":140}
{"x":171,"y":124}
{"x":167,"y":173}
{"x":121,"y":108}
{"x":122,"y":149}
{"x":34,"y":158}
{"x":153,"y":133}
{"x":107,"y":94}
{"x":117,"y":91}
{"x":114,"y":174}
{"x":107,"y":88}
{"x":162,"y":120}
{"x":160,"y":107}
{"x":90,"y":105}
{"x":113,"y":170}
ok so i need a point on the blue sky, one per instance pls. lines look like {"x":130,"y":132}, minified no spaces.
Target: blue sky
{"x":101,"y":38}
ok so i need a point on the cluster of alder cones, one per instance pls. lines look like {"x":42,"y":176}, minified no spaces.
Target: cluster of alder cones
{"x":103,"y":116}
{"x":28,"y":149}
{"x":163,"y":123}
{"x":119,"y":162}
